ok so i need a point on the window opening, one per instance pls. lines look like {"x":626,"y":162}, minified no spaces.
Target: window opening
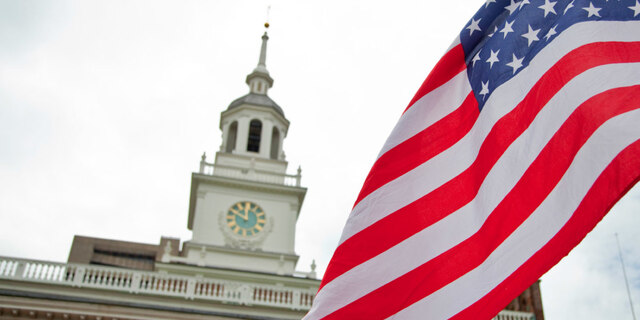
{"x":255,"y":130}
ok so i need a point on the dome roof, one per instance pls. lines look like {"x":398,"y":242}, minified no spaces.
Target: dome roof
{"x":255,"y":99}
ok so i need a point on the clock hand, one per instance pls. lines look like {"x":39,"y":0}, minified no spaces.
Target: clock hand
{"x":237,"y":214}
{"x":246,"y":213}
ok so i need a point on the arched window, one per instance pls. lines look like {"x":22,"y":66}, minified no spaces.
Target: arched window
{"x":275,"y":143}
{"x":255,"y":130}
{"x":231,"y":137}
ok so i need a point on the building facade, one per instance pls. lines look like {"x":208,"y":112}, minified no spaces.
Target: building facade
{"x":240,"y":262}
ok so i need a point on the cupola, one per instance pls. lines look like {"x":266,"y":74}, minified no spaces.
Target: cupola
{"x":254,"y":125}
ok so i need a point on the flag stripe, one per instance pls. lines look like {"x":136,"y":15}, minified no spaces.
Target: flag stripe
{"x":454,"y":160}
{"x":421,"y":115}
{"x":532,"y":235}
{"x":451,"y":64}
{"x":531,"y":190}
{"x":462,"y":189}
{"x":422,"y":146}
{"x":611,"y":185}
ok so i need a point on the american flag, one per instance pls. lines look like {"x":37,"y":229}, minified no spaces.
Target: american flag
{"x":516,"y":145}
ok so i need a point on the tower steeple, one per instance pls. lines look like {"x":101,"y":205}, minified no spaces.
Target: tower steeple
{"x":259,"y":80}
{"x":244,"y":206}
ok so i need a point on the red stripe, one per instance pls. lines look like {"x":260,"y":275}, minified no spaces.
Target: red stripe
{"x":613,"y":183}
{"x":448,"y":67}
{"x":534,"y":186}
{"x":457,"y":192}
{"x":422,"y":147}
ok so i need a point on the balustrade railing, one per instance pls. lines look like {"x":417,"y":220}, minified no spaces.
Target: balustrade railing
{"x":250,"y":173}
{"x":153,"y":283}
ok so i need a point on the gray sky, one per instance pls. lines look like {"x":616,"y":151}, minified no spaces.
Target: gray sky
{"x":106,"y":107}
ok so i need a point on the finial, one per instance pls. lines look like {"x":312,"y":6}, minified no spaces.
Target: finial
{"x":266,"y":24}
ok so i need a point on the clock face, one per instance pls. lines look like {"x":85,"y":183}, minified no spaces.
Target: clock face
{"x":246,"y":218}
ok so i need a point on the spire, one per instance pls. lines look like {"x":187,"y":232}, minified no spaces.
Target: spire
{"x":265,"y":38}
{"x":259,"y":80}
{"x":263,"y":52}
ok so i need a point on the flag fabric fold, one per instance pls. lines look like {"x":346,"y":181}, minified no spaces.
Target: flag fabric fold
{"x":519,"y":141}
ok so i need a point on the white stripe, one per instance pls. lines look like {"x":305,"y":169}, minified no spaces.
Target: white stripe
{"x":554,"y":212}
{"x":432,"y":107}
{"x":455,"y":42}
{"x":451,"y":162}
{"x":448,"y":97}
{"x":438,"y":238}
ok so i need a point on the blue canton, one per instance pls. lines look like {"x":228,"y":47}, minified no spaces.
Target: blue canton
{"x":504,"y":35}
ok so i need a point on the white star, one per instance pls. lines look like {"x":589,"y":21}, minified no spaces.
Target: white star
{"x":512,"y":7}
{"x":550,"y":33}
{"x":548,"y":7}
{"x":593,"y":11}
{"x":493,"y":58}
{"x":485,"y":89}
{"x":636,"y":8}
{"x":516,"y":63}
{"x":569,"y":6}
{"x":475,"y":59}
{"x":492,"y":33}
{"x":507,"y":28}
{"x":531,"y":35}
{"x":489,"y":2}
{"x":473,"y":26}
{"x":523,"y":3}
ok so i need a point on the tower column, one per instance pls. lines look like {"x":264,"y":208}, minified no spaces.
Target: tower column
{"x":225,"y":136}
{"x":267,"y":130}
{"x":243,"y":135}
{"x":281,"y":145}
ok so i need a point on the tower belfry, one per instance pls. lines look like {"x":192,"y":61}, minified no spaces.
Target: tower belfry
{"x":244,"y":206}
{"x":254,"y":125}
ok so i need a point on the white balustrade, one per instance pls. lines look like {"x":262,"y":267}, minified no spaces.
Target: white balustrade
{"x":153,"y":283}
{"x":250,"y":174}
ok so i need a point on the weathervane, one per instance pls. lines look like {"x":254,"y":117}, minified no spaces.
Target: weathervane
{"x":266,"y":24}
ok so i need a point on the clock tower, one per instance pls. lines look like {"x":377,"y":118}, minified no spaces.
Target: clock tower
{"x":244,"y":206}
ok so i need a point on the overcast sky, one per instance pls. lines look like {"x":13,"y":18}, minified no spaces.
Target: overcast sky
{"x":107,"y":106}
